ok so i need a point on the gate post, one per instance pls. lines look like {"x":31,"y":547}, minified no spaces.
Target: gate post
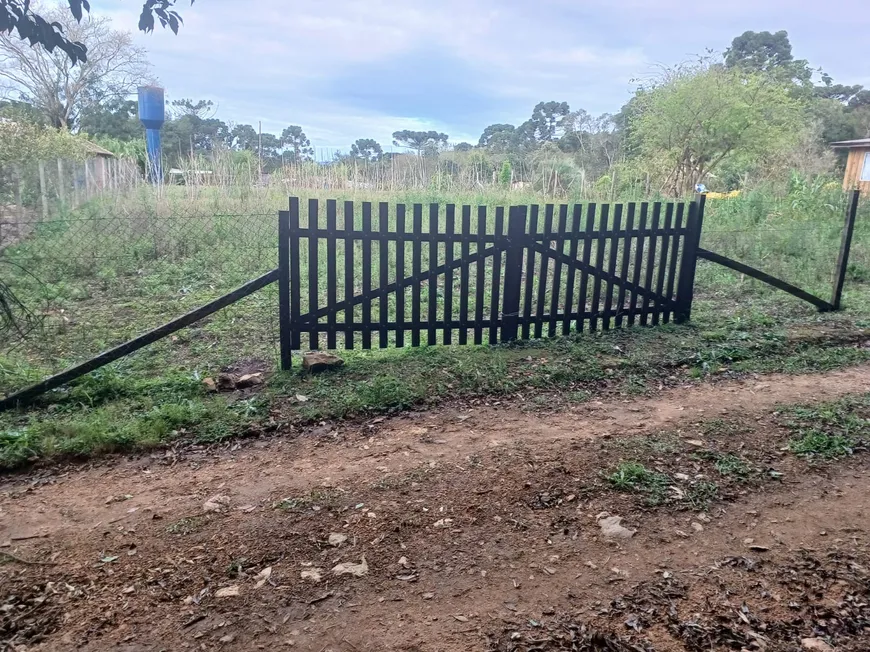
{"x":845,"y":246}
{"x":691,"y":243}
{"x":513,"y":272}
{"x":284,"y":288}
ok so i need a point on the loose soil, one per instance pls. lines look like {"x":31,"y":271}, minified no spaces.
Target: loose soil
{"x":473,"y":527}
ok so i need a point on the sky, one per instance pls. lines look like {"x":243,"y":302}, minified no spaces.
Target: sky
{"x":348,"y":69}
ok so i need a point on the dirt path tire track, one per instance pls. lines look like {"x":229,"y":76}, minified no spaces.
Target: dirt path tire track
{"x":78,"y":514}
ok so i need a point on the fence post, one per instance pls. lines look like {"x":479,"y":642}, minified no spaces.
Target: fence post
{"x":61,"y":187}
{"x":845,"y":246}
{"x":691,"y":243}
{"x":513,"y":274}
{"x":43,"y":190}
{"x":284,"y":289}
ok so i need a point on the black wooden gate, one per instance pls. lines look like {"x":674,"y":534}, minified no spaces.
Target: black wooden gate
{"x":555,"y":269}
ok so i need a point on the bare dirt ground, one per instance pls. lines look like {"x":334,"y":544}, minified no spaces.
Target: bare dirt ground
{"x":462,"y":528}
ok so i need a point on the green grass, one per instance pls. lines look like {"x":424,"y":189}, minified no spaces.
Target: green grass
{"x":831,"y":430}
{"x":115,"y":268}
{"x":635,"y":477}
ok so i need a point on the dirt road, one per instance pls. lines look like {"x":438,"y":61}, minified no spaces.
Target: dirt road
{"x":470,"y":528}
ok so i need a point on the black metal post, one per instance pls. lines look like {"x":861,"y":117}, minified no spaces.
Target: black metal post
{"x":845,"y":246}
{"x":284,"y":287}
{"x":513,"y":274}
{"x":689,"y":263}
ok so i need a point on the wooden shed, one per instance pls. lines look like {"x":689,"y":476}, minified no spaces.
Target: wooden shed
{"x":857,"y":165}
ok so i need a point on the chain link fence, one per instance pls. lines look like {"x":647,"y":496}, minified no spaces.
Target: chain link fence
{"x":131,"y":257}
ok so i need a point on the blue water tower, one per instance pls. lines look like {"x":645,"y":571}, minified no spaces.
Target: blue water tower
{"x":152,"y":113}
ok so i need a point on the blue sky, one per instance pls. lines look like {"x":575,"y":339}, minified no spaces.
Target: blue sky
{"x":348,"y":69}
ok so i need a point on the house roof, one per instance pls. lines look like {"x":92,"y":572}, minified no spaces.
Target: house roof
{"x":852,"y":144}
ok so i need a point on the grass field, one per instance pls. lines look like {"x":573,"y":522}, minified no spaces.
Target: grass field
{"x":121,"y":265}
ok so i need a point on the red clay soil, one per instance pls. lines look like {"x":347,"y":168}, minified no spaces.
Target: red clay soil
{"x":470,"y":528}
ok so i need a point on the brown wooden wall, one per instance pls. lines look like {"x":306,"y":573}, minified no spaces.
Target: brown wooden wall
{"x":853,"y":170}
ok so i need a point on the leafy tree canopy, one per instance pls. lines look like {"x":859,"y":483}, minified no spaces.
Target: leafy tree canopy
{"x":367,"y":149}
{"x":420,"y":140}
{"x":18,"y":16}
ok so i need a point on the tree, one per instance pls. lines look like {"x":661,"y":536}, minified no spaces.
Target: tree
{"x":200,"y":108}
{"x":463,"y":147}
{"x":118,"y":119}
{"x":18,"y":16}
{"x":770,"y":54}
{"x":497,"y":138}
{"x":243,"y":137}
{"x":367,"y":149}
{"x":294,"y":138}
{"x":61,"y":90}
{"x":694,"y":118}
{"x":420,"y":141}
{"x":190,"y":135}
{"x":505,"y":175}
{"x":548,"y":120}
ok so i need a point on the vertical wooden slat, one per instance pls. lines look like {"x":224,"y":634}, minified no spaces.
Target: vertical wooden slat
{"x":845,"y":247}
{"x":555,"y":298}
{"x":540,"y":309}
{"x":349,"y":285}
{"x":284,"y":287}
{"x":576,"y":217}
{"x":672,"y":265}
{"x":400,"y":274}
{"x":650,"y":263}
{"x":513,"y":272}
{"x":528,"y":298}
{"x":495,"y":298}
{"x":367,"y":274}
{"x":599,"y":266}
{"x":638,"y":261}
{"x":689,"y":262}
{"x":660,"y":303}
{"x":295,"y":276}
{"x":464,"y":252}
{"x":383,"y":265}
{"x":416,"y":256}
{"x":623,"y":271}
{"x":432,"y":284}
{"x":587,"y":259}
{"x":313,"y":272}
{"x":480,"y":276}
{"x":611,"y":267}
{"x":331,"y":281}
{"x":450,"y":231}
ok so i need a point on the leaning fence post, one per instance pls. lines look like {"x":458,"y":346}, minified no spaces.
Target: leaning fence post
{"x":513,"y":274}
{"x":845,"y":246}
{"x":284,"y":289}
{"x":43,"y":190}
{"x":689,"y":263}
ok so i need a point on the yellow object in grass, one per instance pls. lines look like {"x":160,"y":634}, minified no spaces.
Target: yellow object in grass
{"x":723,"y":195}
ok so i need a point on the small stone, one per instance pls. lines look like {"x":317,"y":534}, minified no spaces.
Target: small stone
{"x":443,"y":522}
{"x":610,"y":527}
{"x":229,"y":638}
{"x":428,"y":596}
{"x":216,"y":504}
{"x":681,"y":476}
{"x":697,"y":527}
{"x":249,"y":380}
{"x":697,"y":443}
{"x":317,"y":361}
{"x":312,"y":575}
{"x":348,"y":568}
{"x":227,"y":592}
{"x":209,"y":384}
{"x":816,"y":645}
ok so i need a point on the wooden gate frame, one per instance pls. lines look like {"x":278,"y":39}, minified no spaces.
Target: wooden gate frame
{"x":505,"y":319}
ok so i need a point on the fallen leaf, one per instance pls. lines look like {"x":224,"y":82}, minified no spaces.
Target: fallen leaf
{"x":816,"y":644}
{"x":695,"y":442}
{"x":229,"y":638}
{"x":348,"y":568}
{"x":109,"y":560}
{"x":461,"y":619}
{"x":336,"y":539}
{"x":263,"y":577}
{"x":227,"y":592}
{"x":301,"y":398}
{"x":313,"y":574}
{"x":443,"y":522}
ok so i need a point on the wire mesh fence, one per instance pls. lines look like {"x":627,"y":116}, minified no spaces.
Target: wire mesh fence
{"x":132,"y":258}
